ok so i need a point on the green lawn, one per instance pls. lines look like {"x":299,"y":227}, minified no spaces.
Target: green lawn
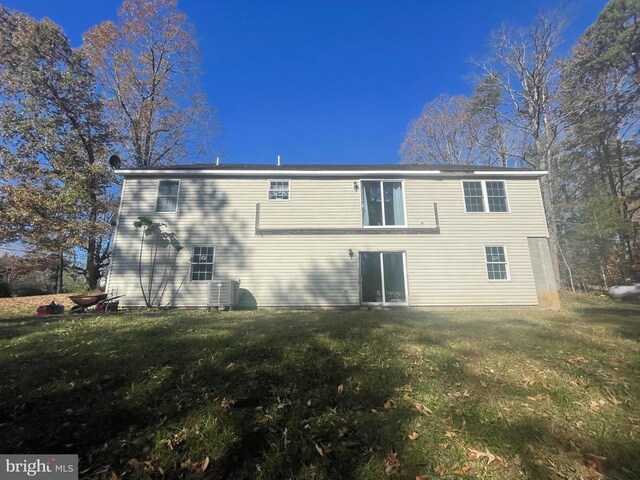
{"x":329,"y":394}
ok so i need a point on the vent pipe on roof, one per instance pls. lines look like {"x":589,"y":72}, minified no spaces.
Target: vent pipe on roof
{"x":278,"y":160}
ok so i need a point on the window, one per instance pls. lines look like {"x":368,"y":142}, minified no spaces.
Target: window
{"x":473,"y":198}
{"x":496,"y":197}
{"x":382,"y":203}
{"x":278,"y":189}
{"x":497,"y":267}
{"x":202,"y":263}
{"x":485,"y":196}
{"x":168,"y":196}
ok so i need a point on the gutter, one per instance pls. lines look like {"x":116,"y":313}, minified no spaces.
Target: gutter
{"x":328,"y":173}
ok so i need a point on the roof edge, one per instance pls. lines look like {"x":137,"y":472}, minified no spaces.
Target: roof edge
{"x":326,"y":173}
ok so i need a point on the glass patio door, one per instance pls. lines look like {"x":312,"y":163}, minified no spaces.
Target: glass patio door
{"x":382,"y":278}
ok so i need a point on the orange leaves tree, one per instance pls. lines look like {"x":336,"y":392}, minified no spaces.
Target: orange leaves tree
{"x":53,"y":139}
{"x":147,"y":64}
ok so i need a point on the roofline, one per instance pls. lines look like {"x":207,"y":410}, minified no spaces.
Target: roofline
{"x":327,"y":173}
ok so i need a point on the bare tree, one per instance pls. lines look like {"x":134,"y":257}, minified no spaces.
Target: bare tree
{"x":523,"y":73}
{"x":445,"y":132}
{"x":148,"y":66}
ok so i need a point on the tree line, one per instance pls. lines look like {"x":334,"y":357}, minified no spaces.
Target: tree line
{"x":132,"y":88}
{"x":574,"y":115}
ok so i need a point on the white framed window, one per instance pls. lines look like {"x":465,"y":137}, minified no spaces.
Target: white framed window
{"x":279,"y":189}
{"x":202,"y":260}
{"x":383,"y":203}
{"x":485,"y":196}
{"x":497,"y":263}
{"x":168,"y":193}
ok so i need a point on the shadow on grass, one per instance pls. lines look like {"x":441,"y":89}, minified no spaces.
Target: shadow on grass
{"x":270,"y":384}
{"x":258,"y":393}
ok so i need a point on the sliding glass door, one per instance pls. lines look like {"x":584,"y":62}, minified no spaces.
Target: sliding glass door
{"x":383,"y":278}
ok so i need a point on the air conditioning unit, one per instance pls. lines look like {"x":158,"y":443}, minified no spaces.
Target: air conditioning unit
{"x":223,"y":293}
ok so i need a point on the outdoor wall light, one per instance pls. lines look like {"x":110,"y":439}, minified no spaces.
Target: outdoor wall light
{"x":351,"y":253}
{"x":356,"y":186}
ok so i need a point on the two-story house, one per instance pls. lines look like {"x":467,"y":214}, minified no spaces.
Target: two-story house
{"x":342,"y":235}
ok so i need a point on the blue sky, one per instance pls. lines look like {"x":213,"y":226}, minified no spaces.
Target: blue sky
{"x":330,"y":81}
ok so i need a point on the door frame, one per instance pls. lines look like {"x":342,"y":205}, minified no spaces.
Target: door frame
{"x":406,"y":279}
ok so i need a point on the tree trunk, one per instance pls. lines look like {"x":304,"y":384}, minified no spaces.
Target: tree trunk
{"x":92,"y":270}
{"x":59,"y":285}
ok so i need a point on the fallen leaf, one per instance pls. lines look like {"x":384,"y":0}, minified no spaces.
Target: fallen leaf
{"x":342,"y":431}
{"x":340,"y":389}
{"x":389,"y":404}
{"x":391,"y":463}
{"x":422,"y":409}
{"x":114,"y":476}
{"x":319,"y":450}
{"x":528,"y":380}
{"x":195,"y":467}
{"x":450,"y":434}
{"x":478,"y":455}
{"x":413,"y":436}
{"x":309,"y":403}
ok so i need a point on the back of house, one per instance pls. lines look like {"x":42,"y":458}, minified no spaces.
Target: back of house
{"x":339,"y":235}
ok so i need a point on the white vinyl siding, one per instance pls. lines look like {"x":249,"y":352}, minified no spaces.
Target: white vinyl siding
{"x":316,"y":270}
{"x":168,"y":193}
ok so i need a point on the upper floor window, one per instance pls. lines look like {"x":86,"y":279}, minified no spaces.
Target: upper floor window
{"x":382,"y":203}
{"x":485,"y":196}
{"x":279,"y":189}
{"x":202,"y":263}
{"x":168,"y":191}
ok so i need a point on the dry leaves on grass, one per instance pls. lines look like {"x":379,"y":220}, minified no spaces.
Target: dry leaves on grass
{"x":195,"y":467}
{"x":391,"y":464}
{"x":340,"y":389}
{"x":389,"y":404}
{"x":28,"y":305}
{"x":413,"y":435}
{"x":479,"y":455}
{"x":147,"y":467}
{"x":422,"y":409}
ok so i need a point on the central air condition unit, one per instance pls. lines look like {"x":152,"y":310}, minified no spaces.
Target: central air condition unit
{"x":223,"y":293}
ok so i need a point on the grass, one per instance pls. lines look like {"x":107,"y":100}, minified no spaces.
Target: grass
{"x":328,"y":394}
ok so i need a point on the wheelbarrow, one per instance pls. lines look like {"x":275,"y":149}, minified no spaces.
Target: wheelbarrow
{"x":83,"y":302}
